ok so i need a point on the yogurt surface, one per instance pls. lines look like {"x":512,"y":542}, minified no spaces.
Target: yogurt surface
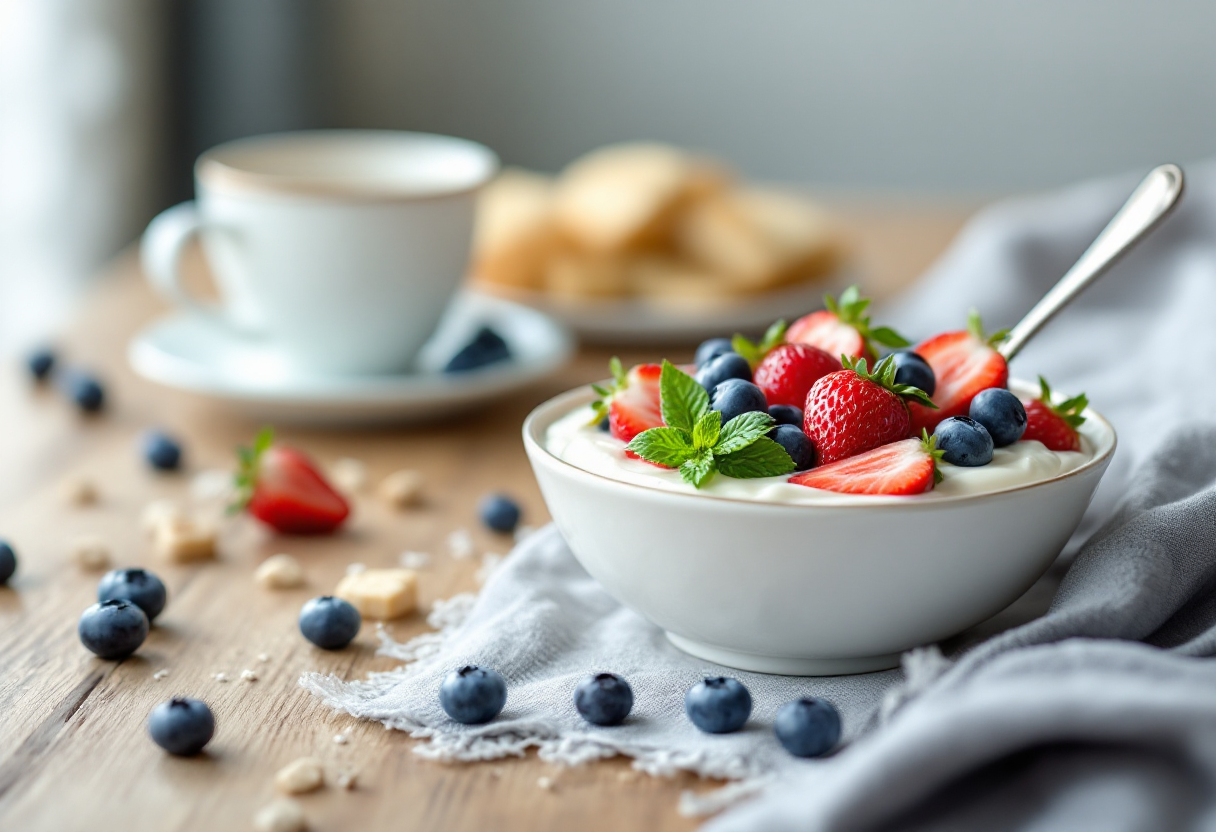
{"x":572,"y":440}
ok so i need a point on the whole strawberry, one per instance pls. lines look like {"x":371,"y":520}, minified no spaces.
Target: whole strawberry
{"x":853,"y":410}
{"x":843,"y":328}
{"x":1055,"y":425}
{"x":787,"y":373}
{"x":281,"y":487}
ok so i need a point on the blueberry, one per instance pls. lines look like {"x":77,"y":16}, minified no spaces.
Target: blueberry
{"x":718,"y":705}
{"x":786,"y":414}
{"x":487,"y":347}
{"x":807,"y":727}
{"x":728,"y":365}
{"x":499,"y":512}
{"x":85,"y":391}
{"x":796,"y":445}
{"x":735,"y":396}
{"x":711,"y":349}
{"x":473,"y":695}
{"x":1001,"y":413}
{"x":113,"y":629}
{"x":603,"y":699}
{"x":40,"y":363}
{"x":910,"y":368}
{"x":329,"y":622}
{"x":141,"y":588}
{"x":181,"y":726}
{"x":604,"y":424}
{"x":162,"y":452}
{"x":8,"y":562}
{"x":965,"y":441}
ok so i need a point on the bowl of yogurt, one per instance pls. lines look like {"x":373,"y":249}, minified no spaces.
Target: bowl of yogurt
{"x":769,"y":576}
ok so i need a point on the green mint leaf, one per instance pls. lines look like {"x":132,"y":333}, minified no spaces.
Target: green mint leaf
{"x":742,"y":431}
{"x":888,"y":337}
{"x":697,"y":470}
{"x":682,"y":400}
{"x":705,"y":432}
{"x":762,"y":458}
{"x":662,"y":446}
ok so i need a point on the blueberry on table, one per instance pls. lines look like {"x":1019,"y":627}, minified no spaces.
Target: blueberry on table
{"x":786,"y":414}
{"x":472,"y":695}
{"x":499,"y":513}
{"x":796,"y":444}
{"x":85,"y":391}
{"x":964,"y":442}
{"x":140,"y":587}
{"x":735,"y":397}
{"x":330,"y":623}
{"x":726,"y":366}
{"x":40,"y":362}
{"x":603,"y":699}
{"x":161,"y":451}
{"x":8,"y":562}
{"x":113,"y":629}
{"x":487,"y":347}
{"x":1001,"y":413}
{"x":181,"y":726}
{"x":910,"y":368}
{"x":711,"y":349}
{"x":807,"y":727}
{"x":718,"y":705}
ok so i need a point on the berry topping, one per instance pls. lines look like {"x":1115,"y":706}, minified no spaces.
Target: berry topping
{"x":964,"y":363}
{"x":85,"y":391}
{"x":162,"y":452}
{"x":908,"y":466}
{"x":718,"y":705}
{"x":181,"y":726}
{"x":727,"y":366}
{"x":963,"y":442}
{"x":284,"y":489}
{"x":1055,"y":425}
{"x":1001,"y":413}
{"x":711,"y":349}
{"x":330,"y":623}
{"x":487,"y":347}
{"x":787,"y":373}
{"x":844,"y":328}
{"x":8,"y":562}
{"x":796,"y":444}
{"x":113,"y":629}
{"x":473,"y":695}
{"x":853,"y":410}
{"x":914,"y":371}
{"x":807,"y":727}
{"x":603,"y":699}
{"x":786,"y":414}
{"x":140,"y":587}
{"x":499,"y":513}
{"x":631,"y":404}
{"x":734,"y":397}
{"x":40,"y":362}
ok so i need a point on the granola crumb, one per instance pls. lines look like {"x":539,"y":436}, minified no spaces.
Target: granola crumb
{"x":263,"y":657}
{"x":340,"y":739}
{"x":221,"y":676}
{"x":249,"y":675}
{"x":160,"y":674}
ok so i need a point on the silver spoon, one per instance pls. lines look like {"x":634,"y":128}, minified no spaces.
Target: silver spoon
{"x":1144,"y":210}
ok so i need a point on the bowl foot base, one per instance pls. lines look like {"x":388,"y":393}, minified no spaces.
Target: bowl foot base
{"x":784,"y":665}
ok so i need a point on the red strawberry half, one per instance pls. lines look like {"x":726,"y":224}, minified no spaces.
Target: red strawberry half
{"x":852,"y":411}
{"x":964,"y":362}
{"x":1055,"y":425}
{"x":844,"y":328}
{"x":631,"y":404}
{"x":787,"y":373}
{"x":281,"y":487}
{"x":908,"y":466}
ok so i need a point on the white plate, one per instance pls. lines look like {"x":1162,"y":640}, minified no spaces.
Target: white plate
{"x":193,"y":354}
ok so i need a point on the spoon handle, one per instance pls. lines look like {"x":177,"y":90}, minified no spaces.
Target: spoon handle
{"x":1145,"y":208}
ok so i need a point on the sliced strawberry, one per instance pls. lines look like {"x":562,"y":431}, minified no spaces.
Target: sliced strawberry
{"x":787,"y":373}
{"x":964,"y":362}
{"x":908,"y":466}
{"x":844,"y":328}
{"x":1055,"y":425}
{"x":282,"y":487}
{"x":631,"y":404}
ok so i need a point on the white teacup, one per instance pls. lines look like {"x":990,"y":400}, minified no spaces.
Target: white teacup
{"x":343,"y":248}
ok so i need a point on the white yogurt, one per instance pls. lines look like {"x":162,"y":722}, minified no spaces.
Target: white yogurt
{"x":572,"y":440}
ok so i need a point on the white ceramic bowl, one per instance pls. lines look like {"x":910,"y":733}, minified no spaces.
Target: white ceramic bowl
{"x":809,"y":589}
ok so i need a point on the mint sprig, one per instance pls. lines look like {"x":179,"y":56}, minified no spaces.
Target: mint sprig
{"x":754,"y":352}
{"x":695,"y":441}
{"x":619,"y":382}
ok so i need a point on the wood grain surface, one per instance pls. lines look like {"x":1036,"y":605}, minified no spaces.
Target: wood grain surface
{"x":74,"y":752}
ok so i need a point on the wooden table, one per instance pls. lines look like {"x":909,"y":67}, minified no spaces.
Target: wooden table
{"x":74,"y":752}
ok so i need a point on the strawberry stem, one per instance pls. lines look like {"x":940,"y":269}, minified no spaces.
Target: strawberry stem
{"x":248,"y":460}
{"x":884,"y":376}
{"x":1069,"y":410}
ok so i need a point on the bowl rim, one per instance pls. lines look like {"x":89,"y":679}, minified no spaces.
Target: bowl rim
{"x":563,"y":403}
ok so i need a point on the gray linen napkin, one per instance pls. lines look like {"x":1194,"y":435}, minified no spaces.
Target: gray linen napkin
{"x":1052,"y":725}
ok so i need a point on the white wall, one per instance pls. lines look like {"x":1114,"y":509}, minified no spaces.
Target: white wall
{"x":936,"y":95}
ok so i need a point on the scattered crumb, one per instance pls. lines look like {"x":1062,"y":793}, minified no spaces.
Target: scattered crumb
{"x":349,"y":475}
{"x":283,"y":815}
{"x":345,"y":780}
{"x":545,"y":783}
{"x":79,"y":492}
{"x":220,"y":677}
{"x":300,"y":776}
{"x":249,"y":675}
{"x":182,"y":540}
{"x":523,"y":532}
{"x":90,"y":553}
{"x":490,"y":562}
{"x":402,"y":489}
{"x":380,"y":593}
{"x":263,"y":657}
{"x":497,"y":771}
{"x":212,"y":484}
{"x":160,"y":674}
{"x":356,"y":568}
{"x":460,"y":544}
{"x":158,"y":512}
{"x":340,"y":739}
{"x":414,"y":560}
{"x":628,"y":776}
{"x":279,"y":572}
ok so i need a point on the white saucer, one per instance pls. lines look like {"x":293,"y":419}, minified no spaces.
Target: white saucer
{"x":193,"y":354}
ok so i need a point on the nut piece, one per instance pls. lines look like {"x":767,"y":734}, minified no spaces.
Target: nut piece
{"x":182,"y":540}
{"x":279,"y":572}
{"x":380,"y":593}
{"x":157,"y":513}
{"x":299,"y":777}
{"x":350,"y":475}
{"x":79,"y":492}
{"x":90,"y":553}
{"x":402,"y":489}
{"x":284,"y":815}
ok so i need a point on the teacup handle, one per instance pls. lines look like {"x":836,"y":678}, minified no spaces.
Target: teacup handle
{"x":160,"y":253}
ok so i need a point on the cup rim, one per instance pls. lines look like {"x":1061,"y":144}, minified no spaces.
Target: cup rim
{"x":552,"y":409}
{"x":216,"y":169}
